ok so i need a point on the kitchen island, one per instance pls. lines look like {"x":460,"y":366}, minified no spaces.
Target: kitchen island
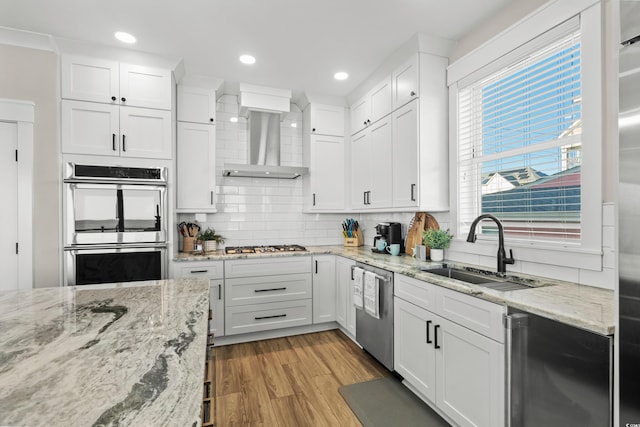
{"x":104,"y":355}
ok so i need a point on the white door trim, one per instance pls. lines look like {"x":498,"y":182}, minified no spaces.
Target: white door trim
{"x":22,"y":113}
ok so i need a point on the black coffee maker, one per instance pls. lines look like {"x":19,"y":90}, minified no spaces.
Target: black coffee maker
{"x":391,"y":232}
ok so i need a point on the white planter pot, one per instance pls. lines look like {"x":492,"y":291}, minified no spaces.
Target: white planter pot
{"x":437,"y":254}
{"x":210,"y":245}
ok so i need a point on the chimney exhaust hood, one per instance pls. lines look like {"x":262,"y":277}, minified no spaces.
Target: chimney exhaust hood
{"x":264,"y":108}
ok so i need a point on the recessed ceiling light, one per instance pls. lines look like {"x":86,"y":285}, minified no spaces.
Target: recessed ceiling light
{"x":341,"y":75}
{"x":247,"y":59}
{"x":233,"y":120}
{"x":125,"y":37}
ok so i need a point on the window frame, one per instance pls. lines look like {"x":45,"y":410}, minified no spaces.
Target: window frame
{"x":529,"y":35}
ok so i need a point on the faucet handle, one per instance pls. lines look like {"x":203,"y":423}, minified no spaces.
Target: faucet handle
{"x":510,"y":260}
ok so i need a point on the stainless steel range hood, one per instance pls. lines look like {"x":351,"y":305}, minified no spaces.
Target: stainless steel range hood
{"x":264,"y":108}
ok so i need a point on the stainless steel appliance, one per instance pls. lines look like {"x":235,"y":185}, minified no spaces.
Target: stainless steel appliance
{"x":263,"y":249}
{"x":391,"y":232}
{"x":628,"y":328}
{"x":557,"y":375}
{"x":114,"y":224}
{"x":376,"y":335}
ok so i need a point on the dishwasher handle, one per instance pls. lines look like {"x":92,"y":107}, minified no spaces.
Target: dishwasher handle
{"x":515,"y":326}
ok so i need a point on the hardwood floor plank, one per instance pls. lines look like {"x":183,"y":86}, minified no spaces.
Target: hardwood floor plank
{"x":230,"y":410}
{"x":257,"y":404}
{"x":274,"y":377}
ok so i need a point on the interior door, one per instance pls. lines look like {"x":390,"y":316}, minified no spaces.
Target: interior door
{"x":9,"y":213}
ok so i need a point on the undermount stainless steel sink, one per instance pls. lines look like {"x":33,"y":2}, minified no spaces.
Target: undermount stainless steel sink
{"x":486,"y":281}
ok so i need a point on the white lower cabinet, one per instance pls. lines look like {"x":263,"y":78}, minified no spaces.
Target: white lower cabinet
{"x":214,"y":271}
{"x":324,"y":288}
{"x":458,"y":369}
{"x":345,"y":310}
{"x":267,"y":293}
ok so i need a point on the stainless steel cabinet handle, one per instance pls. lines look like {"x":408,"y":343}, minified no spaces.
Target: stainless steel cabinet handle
{"x":413,"y":192}
{"x":270,"y":317}
{"x":435,"y":332}
{"x":269,"y":290}
{"x":428,"y":337}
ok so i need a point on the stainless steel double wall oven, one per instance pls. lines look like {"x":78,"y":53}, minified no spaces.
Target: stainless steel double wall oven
{"x":114,"y":224}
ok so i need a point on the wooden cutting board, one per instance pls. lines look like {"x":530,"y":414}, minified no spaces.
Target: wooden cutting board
{"x":420,"y":222}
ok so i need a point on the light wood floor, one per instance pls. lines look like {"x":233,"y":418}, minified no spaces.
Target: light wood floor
{"x":290,"y":381}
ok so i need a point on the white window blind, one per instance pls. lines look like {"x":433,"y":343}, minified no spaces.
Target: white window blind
{"x":520,"y":146}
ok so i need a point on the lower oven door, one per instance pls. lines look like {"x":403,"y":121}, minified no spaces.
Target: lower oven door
{"x":108,"y":264}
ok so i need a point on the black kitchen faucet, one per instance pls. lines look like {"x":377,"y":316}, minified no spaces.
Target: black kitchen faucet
{"x":502,"y":256}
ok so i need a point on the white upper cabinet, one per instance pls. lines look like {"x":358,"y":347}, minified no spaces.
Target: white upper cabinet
{"x":110,"y":82}
{"x":405,"y":82}
{"x":405,"y":156}
{"x":196,"y":105}
{"x":109,"y":130}
{"x":375,"y":105}
{"x":196,"y":165}
{"x":326,"y":120}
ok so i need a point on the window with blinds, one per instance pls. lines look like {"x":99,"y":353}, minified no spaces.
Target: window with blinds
{"x":520,"y":146}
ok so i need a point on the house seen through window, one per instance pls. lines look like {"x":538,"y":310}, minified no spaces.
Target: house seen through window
{"x":520,"y":146}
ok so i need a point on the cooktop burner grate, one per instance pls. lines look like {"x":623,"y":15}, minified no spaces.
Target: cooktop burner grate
{"x":263,"y":249}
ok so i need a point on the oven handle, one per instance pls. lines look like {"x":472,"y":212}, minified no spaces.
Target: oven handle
{"x":116,"y":246}
{"x":382,"y":278}
{"x":114,"y":181}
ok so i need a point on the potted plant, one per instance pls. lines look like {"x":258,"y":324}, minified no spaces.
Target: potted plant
{"x":210,"y":240}
{"x":438,"y":241}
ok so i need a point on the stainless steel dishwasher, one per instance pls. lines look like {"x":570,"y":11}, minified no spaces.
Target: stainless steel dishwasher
{"x":376,"y":335}
{"x":557,"y":375}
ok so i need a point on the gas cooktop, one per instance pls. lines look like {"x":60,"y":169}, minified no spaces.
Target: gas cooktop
{"x":263,"y":249}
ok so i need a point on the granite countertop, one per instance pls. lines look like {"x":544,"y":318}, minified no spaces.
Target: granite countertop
{"x":129,"y":354}
{"x":582,"y":306}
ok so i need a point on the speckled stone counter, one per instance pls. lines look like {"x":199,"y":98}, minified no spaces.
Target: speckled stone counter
{"x":104,"y":355}
{"x":586,"y":307}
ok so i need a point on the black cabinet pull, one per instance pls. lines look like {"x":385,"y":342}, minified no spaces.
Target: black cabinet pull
{"x":211,"y":119}
{"x":314,"y":199}
{"x":113,"y":142}
{"x":316,"y":266}
{"x":364,"y":123}
{"x":198,"y":271}
{"x":270,"y":317}
{"x":123,"y":99}
{"x":368,"y":121}
{"x":313,"y":130}
{"x":435,"y":332}
{"x":219,"y":291}
{"x":269,"y":290}
{"x":113,"y":98}
{"x":413,"y":192}
{"x":211,"y":197}
{"x":413,"y":93}
{"x":428,"y":337}
{"x":364,"y":197}
{"x":124,"y":145}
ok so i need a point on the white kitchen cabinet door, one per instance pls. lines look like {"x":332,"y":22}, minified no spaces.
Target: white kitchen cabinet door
{"x":381,"y":164}
{"x":90,"y":128}
{"x":345,"y":310}
{"x":360,"y":111}
{"x":414,"y":350}
{"x":216,"y":303}
{"x":361,"y":158}
{"x":145,"y":133}
{"x":405,"y":156}
{"x":326,"y":172}
{"x":90,"y":79}
{"x":470,"y":376}
{"x":196,"y":166}
{"x":145,"y":87}
{"x":405,"y":82}
{"x":327,"y":120}
{"x":380,"y":104}
{"x":324,"y":288}
{"x":196,"y":105}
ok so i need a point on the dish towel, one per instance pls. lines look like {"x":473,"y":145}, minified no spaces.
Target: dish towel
{"x":371,"y":301}
{"x":357,"y":288}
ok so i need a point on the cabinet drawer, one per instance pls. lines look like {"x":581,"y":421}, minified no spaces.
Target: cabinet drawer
{"x":474,"y":313}
{"x":416,"y":291}
{"x":267,"y":266}
{"x":212,"y":270}
{"x":256,"y":290}
{"x":264,"y":317}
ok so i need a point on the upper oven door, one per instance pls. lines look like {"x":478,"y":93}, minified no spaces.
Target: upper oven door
{"x":105,"y":213}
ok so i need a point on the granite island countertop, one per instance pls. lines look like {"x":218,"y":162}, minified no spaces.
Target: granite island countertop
{"x":128,"y":354}
{"x":586,"y":307}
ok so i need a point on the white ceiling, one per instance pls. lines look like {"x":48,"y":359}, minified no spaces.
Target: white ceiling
{"x":299,"y":44}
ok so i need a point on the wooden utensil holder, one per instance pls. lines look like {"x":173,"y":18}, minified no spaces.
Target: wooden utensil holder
{"x":188,"y":244}
{"x":357,"y":240}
